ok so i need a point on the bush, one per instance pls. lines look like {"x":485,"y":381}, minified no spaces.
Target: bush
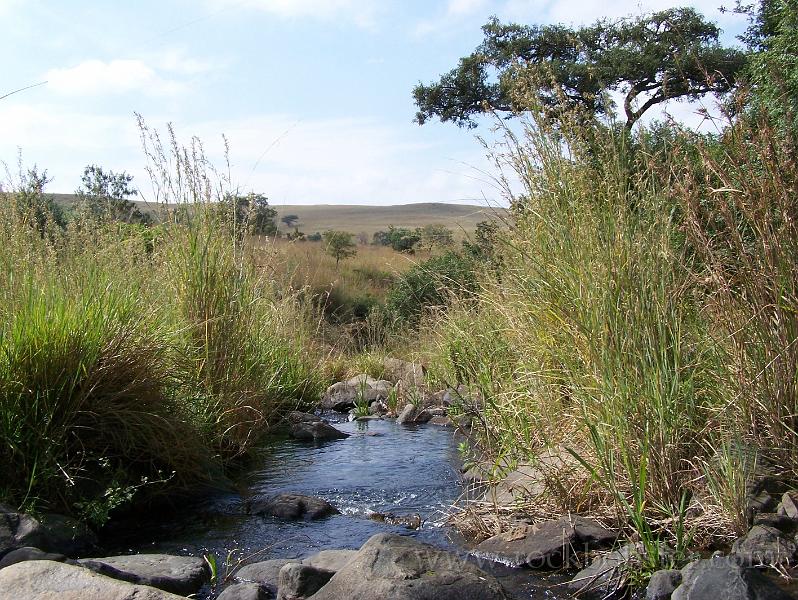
{"x":432,"y":283}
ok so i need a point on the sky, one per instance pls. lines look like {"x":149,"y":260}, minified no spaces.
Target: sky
{"x":313,"y":96}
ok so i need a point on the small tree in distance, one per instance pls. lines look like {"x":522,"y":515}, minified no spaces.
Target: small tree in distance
{"x":339,"y":245}
{"x":289,"y":220}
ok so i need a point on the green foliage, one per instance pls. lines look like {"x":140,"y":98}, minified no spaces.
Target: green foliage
{"x":106,"y":195}
{"x":432,"y":283}
{"x":339,"y":245}
{"x":35,"y":207}
{"x":314,"y":237}
{"x":402,"y":239}
{"x":666,"y":55}
{"x":289,"y":220}
{"x":381,"y":238}
{"x":436,"y":236}
{"x":253,"y":214}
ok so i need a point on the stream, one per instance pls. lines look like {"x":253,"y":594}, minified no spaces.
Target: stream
{"x":383,"y":467}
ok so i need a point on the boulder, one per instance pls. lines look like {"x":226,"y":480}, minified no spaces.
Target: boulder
{"x":780,"y":521}
{"x":182,"y":575}
{"x":22,"y":554}
{"x":662,"y":584}
{"x":789,"y":504}
{"x":441,"y":421}
{"x":49,"y":580}
{"x":66,"y":535}
{"x":606,"y":575}
{"x":265,"y":573}
{"x":545,"y":545}
{"x":244,"y":591}
{"x":724,"y":577}
{"x":339,"y":397}
{"x":412,"y":414}
{"x":764,"y":545}
{"x":300,"y":581}
{"x":410,"y":374}
{"x":302,"y":417}
{"x":316,"y":431}
{"x":331,"y":560}
{"x":393,"y":567}
{"x":378,"y":408}
{"x":18,"y":530}
{"x":293,"y":507}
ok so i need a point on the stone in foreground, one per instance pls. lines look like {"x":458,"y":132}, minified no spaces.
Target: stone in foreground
{"x":298,"y":581}
{"x":663,"y":583}
{"x":765,"y":545}
{"x":265,"y":573}
{"x":294,"y":507}
{"x":545,"y":545}
{"x":177,"y":574}
{"x":48,"y":580}
{"x":724,"y":577}
{"x":244,"y":591}
{"x":394,"y":567}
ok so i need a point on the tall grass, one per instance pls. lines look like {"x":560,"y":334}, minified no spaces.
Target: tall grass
{"x":644,"y":321}
{"x":134,"y":357}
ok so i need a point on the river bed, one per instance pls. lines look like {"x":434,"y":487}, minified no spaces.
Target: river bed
{"x":382,"y":467}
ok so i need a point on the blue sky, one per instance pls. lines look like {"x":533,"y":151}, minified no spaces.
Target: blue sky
{"x":313,"y":95}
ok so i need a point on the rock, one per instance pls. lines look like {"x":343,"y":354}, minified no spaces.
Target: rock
{"x":378,"y":408}
{"x":299,"y":581}
{"x":302,"y":417}
{"x":410,"y":521}
{"x":393,"y":567}
{"x":724,"y":577}
{"x":265,"y":572}
{"x":762,"y":502}
{"x":294,"y":507}
{"x":49,"y":580}
{"x":339,"y":397}
{"x":412,"y":375}
{"x":662,"y":584}
{"x":331,"y":560}
{"x":361,"y":381}
{"x":244,"y":591}
{"x":316,"y":431}
{"x":66,"y":535}
{"x":27,"y":553}
{"x":18,"y":530}
{"x":606,"y":575}
{"x":441,"y":421}
{"x":182,"y":575}
{"x":764,"y":545}
{"x":789,"y":503}
{"x":406,"y":415}
{"x":780,"y":521}
{"x":545,"y":545}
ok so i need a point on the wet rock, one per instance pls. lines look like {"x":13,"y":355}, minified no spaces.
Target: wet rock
{"x":724,"y":577}
{"x":781,"y":522}
{"x":265,"y":572}
{"x":764,"y":545}
{"x":331,"y":560}
{"x":545,"y":545}
{"x":27,"y":553}
{"x":339,"y":397}
{"x":662,"y":584}
{"x":302,"y":417}
{"x":410,"y":521}
{"x":412,"y":415}
{"x":182,"y":575}
{"x":244,"y":591}
{"x":378,"y":408}
{"x":316,"y":431}
{"x":393,"y":567}
{"x":293,"y":507}
{"x":441,"y":421}
{"x":300,"y":581}
{"x":49,"y":580}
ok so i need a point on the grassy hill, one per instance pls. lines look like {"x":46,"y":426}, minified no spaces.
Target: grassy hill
{"x":368,"y":219}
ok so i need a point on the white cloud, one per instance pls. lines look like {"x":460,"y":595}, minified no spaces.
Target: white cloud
{"x":458,"y":8}
{"x":97,"y":77}
{"x":362,"y":13}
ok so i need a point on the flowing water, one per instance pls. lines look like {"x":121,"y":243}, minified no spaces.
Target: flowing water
{"x":383,"y":467}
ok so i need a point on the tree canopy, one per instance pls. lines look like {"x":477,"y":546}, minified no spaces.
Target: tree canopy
{"x":665,"y":55}
{"x":339,"y":245}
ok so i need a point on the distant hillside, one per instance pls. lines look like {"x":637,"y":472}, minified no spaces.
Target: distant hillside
{"x":368,"y":219}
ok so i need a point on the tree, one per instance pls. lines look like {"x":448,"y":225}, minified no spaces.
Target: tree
{"x":289,"y":220}
{"x":253,"y":211}
{"x":668,"y":55}
{"x":436,"y":235}
{"x":402,"y":239}
{"x":339,"y":245}
{"x":38,"y":208}
{"x":381,"y":238}
{"x":107,"y":195}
